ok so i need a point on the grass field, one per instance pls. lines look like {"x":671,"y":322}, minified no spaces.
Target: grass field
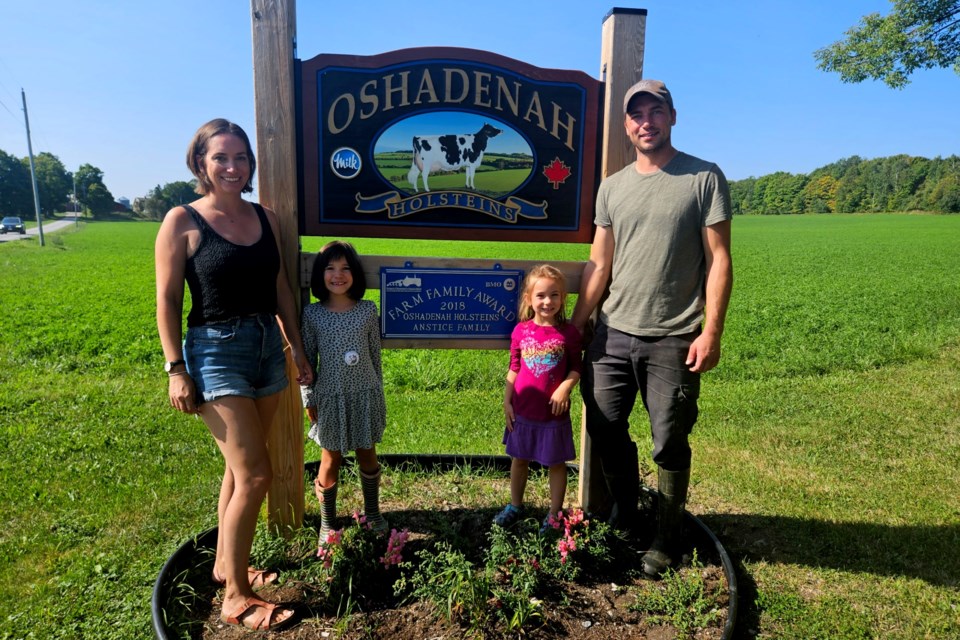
{"x":825,"y":458}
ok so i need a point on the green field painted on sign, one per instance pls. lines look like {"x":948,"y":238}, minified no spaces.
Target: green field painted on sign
{"x":489,"y":181}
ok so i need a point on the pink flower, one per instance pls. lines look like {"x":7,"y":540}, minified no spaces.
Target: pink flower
{"x":565,"y":546}
{"x":395,"y":547}
{"x":555,"y":521}
{"x":568,"y":521}
{"x":361,"y":519}
{"x":334,"y":537}
{"x":326,"y":549}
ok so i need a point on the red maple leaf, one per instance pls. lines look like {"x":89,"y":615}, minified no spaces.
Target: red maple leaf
{"x":556,"y":172}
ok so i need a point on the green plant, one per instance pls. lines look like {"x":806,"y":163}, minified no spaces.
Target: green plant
{"x":582,"y":543}
{"x":451,"y":582}
{"x":355,"y":555}
{"x":515,"y":569}
{"x":519,"y":565}
{"x":681,"y":598}
{"x":185,"y":601}
{"x":271,"y":549}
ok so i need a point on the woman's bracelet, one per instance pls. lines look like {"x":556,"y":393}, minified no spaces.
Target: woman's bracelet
{"x":178,"y":373}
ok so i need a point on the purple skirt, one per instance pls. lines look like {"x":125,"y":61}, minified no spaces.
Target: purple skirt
{"x":548,"y":443}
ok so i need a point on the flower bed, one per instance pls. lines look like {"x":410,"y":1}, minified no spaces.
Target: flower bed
{"x":450,"y":573}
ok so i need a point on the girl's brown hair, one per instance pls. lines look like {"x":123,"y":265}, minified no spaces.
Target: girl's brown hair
{"x":535,"y":273}
{"x":198,"y":149}
{"x":334,"y":251}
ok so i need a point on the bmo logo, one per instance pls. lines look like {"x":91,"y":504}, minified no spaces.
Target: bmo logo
{"x":508,"y":284}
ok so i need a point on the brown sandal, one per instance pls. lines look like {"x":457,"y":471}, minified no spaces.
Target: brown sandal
{"x":264,"y":624}
{"x":257,"y":577}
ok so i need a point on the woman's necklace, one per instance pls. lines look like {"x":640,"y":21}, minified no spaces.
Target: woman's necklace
{"x":223,"y":215}
{"x":233,"y":216}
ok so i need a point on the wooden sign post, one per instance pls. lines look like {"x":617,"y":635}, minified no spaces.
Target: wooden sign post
{"x":621,"y":65}
{"x":274,"y":33}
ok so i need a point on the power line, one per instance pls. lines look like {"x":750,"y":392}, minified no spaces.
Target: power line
{"x":10,"y":94}
{"x":7,"y":109}
{"x":7,"y":91}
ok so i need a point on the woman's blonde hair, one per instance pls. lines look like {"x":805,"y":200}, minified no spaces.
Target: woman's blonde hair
{"x":534,"y":274}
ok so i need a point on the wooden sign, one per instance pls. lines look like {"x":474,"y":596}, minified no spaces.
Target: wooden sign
{"x":446,"y":143}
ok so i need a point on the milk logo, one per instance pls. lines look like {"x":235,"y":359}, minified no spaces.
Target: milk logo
{"x":346,"y":163}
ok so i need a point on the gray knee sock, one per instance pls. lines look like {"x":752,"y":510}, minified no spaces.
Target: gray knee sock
{"x":371,"y":500}
{"x":328,"y":508}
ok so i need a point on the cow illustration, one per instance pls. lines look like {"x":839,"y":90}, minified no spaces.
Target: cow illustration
{"x":449,"y":152}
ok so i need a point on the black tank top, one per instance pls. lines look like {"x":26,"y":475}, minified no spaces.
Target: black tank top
{"x":228,"y":280}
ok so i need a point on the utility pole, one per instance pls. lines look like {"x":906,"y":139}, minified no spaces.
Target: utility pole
{"x":33,"y":172}
{"x":76,"y":214}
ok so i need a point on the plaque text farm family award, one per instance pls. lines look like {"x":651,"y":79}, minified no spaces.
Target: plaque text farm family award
{"x":448,"y":303}
{"x":446,"y":143}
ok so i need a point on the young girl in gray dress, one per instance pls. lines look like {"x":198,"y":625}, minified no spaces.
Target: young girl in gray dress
{"x":345,"y":403}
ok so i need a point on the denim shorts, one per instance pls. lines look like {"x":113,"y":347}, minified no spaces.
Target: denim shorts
{"x":240,"y":357}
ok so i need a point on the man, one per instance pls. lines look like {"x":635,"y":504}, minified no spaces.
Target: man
{"x":663,"y":244}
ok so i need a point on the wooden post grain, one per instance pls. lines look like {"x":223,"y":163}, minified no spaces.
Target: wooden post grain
{"x":274,"y":35}
{"x":621,"y":65}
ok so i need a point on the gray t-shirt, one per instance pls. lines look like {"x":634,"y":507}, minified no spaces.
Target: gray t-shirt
{"x":659,"y":266}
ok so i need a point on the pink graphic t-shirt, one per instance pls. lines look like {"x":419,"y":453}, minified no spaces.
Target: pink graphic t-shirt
{"x":542,"y":356}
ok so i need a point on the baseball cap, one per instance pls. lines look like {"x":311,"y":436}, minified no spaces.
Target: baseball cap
{"x":656,"y":88}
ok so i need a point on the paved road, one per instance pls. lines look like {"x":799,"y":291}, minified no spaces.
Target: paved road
{"x":32,"y":232}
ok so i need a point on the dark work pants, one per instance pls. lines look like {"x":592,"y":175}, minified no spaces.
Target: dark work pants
{"x":618,"y":366}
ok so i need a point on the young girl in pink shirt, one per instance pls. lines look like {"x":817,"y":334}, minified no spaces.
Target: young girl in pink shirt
{"x":545,"y":362}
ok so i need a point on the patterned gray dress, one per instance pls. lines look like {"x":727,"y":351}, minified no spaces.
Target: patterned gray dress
{"x":344,"y":350}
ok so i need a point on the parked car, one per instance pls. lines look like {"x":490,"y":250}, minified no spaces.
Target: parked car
{"x":12,"y":223}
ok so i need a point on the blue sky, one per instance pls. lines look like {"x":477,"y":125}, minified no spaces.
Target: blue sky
{"x":123,"y":85}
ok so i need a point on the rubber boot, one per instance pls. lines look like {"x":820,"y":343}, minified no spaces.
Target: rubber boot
{"x":371,"y":500}
{"x":623,"y":482}
{"x":328,"y":507}
{"x":664,"y":551}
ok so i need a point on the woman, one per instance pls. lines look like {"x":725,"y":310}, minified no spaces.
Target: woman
{"x":230,"y":368}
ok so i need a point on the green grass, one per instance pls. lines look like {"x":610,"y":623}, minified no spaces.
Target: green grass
{"x":489,"y":180}
{"x":825,"y":458}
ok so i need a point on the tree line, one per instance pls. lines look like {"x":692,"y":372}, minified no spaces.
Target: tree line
{"x":55,"y":187}
{"x":850,"y":185}
{"x":161,"y":199}
{"x":855,"y":185}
